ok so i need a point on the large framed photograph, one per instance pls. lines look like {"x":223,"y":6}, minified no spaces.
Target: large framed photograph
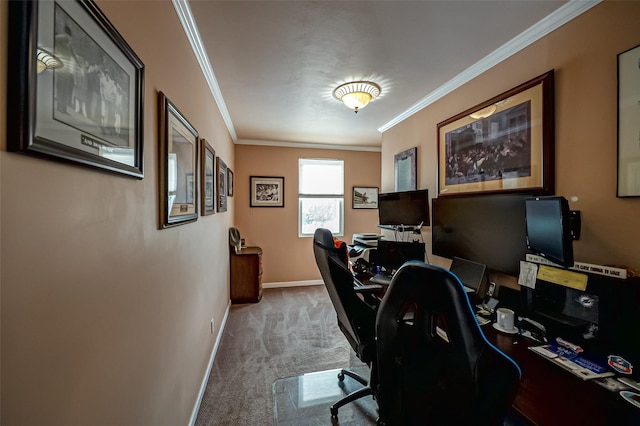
{"x":405,"y":170}
{"x":77,"y":88}
{"x":505,"y":144}
{"x":267,"y":191}
{"x":221,"y":168}
{"x":365,"y":197}
{"x":207,"y":178}
{"x":178,"y":156}
{"x":629,"y":123}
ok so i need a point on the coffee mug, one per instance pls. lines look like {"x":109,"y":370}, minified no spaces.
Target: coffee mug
{"x":505,"y":318}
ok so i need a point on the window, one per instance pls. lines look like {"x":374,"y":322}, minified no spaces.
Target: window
{"x":320,"y":196}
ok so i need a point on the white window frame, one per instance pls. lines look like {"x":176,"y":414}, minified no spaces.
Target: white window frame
{"x":302,"y":196}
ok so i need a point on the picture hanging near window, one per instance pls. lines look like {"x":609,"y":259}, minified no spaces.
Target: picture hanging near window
{"x":502,"y":145}
{"x":267,"y":191}
{"x":365,"y":197}
{"x":77,"y":87}
{"x":178,"y":156}
{"x":405,"y":170}
{"x":628,"y":123}
{"x":222,"y":184}
{"x":207,"y":178}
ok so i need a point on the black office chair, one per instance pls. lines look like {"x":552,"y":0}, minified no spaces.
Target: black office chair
{"x":435,"y":366}
{"x":356,"y":318}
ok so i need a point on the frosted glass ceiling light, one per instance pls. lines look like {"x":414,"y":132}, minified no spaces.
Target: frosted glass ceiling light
{"x":357,"y":94}
{"x":484,"y":112}
{"x":45,"y":60}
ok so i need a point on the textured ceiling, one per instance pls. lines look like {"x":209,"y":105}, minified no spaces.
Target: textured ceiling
{"x":277,"y":62}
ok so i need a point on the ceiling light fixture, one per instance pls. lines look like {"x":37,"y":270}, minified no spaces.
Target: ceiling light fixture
{"x":484,"y":112}
{"x":357,"y":94}
{"x":45,"y":60}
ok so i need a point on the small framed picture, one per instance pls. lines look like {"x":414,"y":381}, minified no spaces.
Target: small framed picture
{"x":207,"y":178}
{"x":229,"y":182}
{"x":221,"y":168}
{"x":365,"y":197}
{"x":267,"y":191}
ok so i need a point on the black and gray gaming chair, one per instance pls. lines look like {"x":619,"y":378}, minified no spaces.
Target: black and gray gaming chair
{"x":435,"y":366}
{"x":356,"y":318}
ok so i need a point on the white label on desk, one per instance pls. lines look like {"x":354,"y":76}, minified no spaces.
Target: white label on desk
{"x":528,"y":273}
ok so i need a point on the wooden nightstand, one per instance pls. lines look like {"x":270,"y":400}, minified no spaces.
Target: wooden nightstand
{"x":246,"y":275}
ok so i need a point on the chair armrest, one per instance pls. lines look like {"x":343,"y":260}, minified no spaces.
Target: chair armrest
{"x":369,"y":288}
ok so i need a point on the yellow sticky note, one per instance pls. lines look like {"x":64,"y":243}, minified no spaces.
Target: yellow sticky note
{"x":566,"y":278}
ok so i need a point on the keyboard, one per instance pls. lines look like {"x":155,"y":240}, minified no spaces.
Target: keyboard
{"x":380,"y":279}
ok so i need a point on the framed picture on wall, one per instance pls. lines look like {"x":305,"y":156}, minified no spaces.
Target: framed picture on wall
{"x":365,"y":197}
{"x":178,"y":157}
{"x":505,"y":144}
{"x":229,"y":182}
{"x":267,"y":191}
{"x":221,"y":168}
{"x":76,"y":89}
{"x":207,"y":178}
{"x":405,"y":170}
{"x":629,"y":123}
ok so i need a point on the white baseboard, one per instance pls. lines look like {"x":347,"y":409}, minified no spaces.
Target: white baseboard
{"x":205,"y":380}
{"x":292,"y":284}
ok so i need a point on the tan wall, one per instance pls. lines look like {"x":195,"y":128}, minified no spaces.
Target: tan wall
{"x":583,"y":53}
{"x":105,"y":318}
{"x":287,"y":257}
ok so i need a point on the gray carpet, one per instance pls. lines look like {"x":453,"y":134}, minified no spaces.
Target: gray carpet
{"x":290,"y":332}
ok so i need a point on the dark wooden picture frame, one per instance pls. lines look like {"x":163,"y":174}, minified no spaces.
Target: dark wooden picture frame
{"x":178,"y":156}
{"x":505,"y":144}
{"x":221,"y":172}
{"x":207,"y":178}
{"x":99,"y":126}
{"x":266,"y":191}
{"x":230,"y":182}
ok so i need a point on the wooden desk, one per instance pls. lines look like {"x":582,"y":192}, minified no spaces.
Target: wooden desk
{"x":549,"y":395}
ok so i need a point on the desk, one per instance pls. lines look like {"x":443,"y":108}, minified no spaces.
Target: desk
{"x":549,"y":395}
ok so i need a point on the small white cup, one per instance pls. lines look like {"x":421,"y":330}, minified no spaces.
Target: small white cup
{"x":504,"y":318}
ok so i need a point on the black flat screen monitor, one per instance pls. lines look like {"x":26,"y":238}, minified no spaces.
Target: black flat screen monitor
{"x":404,"y":208}
{"x":488,"y":229}
{"x":391,"y":255}
{"x":548,"y":227}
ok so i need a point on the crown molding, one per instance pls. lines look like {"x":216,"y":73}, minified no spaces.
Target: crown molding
{"x":309,"y":145}
{"x":191,"y":30}
{"x":534,"y":33}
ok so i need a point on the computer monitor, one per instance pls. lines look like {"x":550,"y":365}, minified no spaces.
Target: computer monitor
{"x":549,"y":233}
{"x":391,"y":255}
{"x":488,"y":229}
{"x":404,"y":208}
{"x":471,"y":274}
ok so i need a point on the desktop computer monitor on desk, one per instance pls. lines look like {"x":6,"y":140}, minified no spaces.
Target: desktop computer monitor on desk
{"x":391,"y":255}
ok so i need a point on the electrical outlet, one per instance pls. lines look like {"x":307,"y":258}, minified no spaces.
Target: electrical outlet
{"x":213,"y":325}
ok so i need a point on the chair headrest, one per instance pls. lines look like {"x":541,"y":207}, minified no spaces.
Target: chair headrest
{"x":234,"y":237}
{"x":324,"y":238}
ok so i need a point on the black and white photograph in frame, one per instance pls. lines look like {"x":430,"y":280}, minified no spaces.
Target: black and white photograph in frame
{"x":207,"y":177}
{"x":222,"y":185}
{"x":267,"y":191}
{"x":77,"y":89}
{"x":365,"y":197}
